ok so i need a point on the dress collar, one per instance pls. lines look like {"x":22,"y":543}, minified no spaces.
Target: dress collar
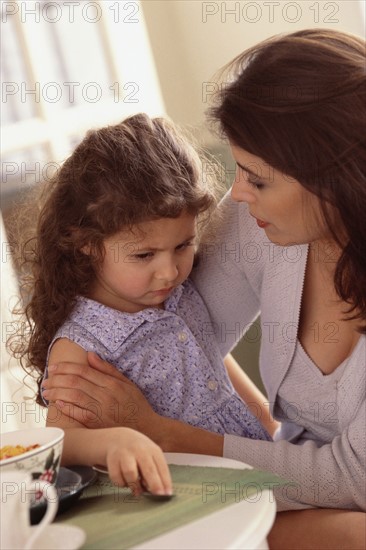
{"x":111,"y":325}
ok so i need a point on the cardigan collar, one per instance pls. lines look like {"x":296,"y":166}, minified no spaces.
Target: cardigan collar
{"x":282,"y":291}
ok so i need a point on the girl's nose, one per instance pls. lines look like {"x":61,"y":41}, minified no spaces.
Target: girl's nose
{"x":168,"y":271}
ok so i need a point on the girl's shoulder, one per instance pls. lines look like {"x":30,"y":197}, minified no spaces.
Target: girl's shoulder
{"x":92,"y":325}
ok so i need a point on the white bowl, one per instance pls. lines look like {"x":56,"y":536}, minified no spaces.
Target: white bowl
{"x":42,"y":462}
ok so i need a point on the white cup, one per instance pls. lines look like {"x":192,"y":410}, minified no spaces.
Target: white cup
{"x":17,"y":493}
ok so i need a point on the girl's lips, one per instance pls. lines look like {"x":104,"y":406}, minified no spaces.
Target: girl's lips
{"x":163,"y":290}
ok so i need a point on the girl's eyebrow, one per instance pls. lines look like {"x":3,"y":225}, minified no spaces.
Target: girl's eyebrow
{"x":155,"y":249}
{"x":254,"y":174}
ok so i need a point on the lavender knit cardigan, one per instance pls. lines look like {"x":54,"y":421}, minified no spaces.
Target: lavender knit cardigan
{"x":241,"y":273}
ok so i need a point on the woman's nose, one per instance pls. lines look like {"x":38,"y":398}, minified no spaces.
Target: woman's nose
{"x":242,"y":192}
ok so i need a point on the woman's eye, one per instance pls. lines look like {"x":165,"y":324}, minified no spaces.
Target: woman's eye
{"x":252,"y":179}
{"x":256,"y":184}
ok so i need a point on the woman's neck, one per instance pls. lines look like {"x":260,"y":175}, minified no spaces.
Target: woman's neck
{"x":325,"y":254}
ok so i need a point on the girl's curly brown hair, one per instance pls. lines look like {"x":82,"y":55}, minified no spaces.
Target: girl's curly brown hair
{"x":141,"y":169}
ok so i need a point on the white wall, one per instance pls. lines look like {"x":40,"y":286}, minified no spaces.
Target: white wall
{"x":192,"y":39}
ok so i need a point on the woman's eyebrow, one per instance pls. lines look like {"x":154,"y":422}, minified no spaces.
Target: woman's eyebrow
{"x":254,"y":174}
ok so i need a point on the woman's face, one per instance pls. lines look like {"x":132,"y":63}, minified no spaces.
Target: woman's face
{"x":284,"y":209}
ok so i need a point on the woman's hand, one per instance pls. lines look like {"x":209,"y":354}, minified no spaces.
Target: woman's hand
{"x":98,"y":396}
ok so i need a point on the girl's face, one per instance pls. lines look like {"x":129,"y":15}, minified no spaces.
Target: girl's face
{"x":142,"y":267}
{"x":283,"y":208}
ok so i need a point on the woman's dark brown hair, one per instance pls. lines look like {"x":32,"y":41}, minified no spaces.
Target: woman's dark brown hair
{"x":119,"y":176}
{"x":298,"y":101}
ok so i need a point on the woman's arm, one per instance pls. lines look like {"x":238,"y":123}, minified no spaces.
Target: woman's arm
{"x":250,"y":394}
{"x":320,"y":529}
{"x":331,"y":476}
{"x":99,"y":396}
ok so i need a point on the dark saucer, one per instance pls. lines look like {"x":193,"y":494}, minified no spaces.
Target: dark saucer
{"x":70,"y":484}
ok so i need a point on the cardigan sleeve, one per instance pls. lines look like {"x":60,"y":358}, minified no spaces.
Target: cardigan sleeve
{"x":330,"y":476}
{"x":228,"y":275}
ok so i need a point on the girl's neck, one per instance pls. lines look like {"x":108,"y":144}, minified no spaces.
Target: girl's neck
{"x":116,"y":304}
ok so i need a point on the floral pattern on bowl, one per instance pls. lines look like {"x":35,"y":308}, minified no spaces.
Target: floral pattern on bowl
{"x":43,"y":462}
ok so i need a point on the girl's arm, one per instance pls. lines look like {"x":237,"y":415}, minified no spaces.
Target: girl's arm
{"x":128,"y":455}
{"x":250,"y":394}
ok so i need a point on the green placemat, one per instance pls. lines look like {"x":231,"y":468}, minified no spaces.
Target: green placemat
{"x":113,"y":518}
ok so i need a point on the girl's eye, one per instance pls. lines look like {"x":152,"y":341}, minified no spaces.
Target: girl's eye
{"x":143,"y":256}
{"x":185,"y":245}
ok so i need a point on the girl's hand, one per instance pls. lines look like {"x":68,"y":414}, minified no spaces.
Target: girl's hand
{"x":132,"y":458}
{"x":98,"y":396}
{"x":129,"y":456}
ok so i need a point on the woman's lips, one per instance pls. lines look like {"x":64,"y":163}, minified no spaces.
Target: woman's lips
{"x":262,"y":224}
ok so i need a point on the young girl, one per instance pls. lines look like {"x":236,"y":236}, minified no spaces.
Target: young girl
{"x":115,"y":246}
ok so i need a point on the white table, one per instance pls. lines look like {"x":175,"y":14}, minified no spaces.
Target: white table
{"x":244,"y":525}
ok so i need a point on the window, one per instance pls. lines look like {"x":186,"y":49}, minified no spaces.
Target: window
{"x":68,"y":66}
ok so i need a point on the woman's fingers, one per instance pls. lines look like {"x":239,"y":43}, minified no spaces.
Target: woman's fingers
{"x":106,"y":400}
{"x":107,"y":396}
{"x":87,"y":417}
{"x":61,"y":379}
{"x":88,"y":379}
{"x":75,"y":391}
{"x":104,"y":367}
{"x":92,"y":412}
{"x":95,"y":373}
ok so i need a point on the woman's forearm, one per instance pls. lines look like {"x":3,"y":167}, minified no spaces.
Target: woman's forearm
{"x":176,"y":437}
{"x":330,"y":530}
{"x":251,"y":395}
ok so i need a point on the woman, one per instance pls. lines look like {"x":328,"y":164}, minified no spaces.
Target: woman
{"x":292,"y":244}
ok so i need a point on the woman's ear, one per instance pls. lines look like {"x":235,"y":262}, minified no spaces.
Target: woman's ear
{"x":86,"y":249}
